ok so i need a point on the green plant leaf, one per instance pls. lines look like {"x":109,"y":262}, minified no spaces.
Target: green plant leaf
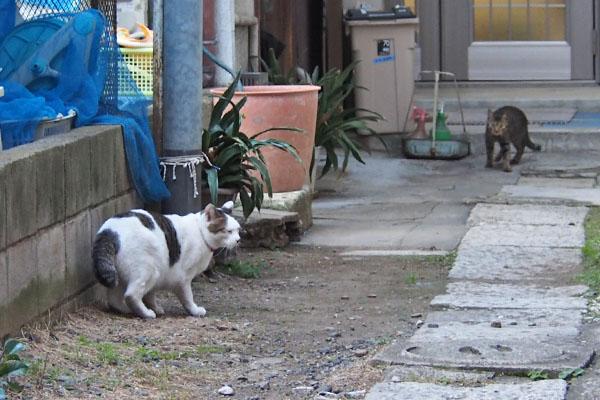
{"x":212,"y":180}
{"x":15,"y":387}
{"x":247,"y":204}
{"x":13,"y":346}
{"x":13,"y":367}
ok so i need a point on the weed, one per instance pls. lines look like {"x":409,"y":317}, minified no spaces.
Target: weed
{"x":591,"y":250}
{"x":107,"y":353}
{"x":244,"y":269}
{"x":537,"y":375}
{"x":210,"y":349}
{"x":447,"y":260}
{"x":571,"y":373}
{"x":82,"y":340}
{"x":410,"y":279}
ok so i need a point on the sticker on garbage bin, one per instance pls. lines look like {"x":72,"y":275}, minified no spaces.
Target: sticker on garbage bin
{"x":384,"y":47}
{"x":383,"y":59}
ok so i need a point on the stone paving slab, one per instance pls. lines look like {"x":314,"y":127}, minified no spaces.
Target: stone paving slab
{"x":525,"y":340}
{"x":478,"y":295}
{"x":526,"y":214}
{"x":433,"y":375}
{"x":552,"y":389}
{"x":583,"y":196}
{"x":525,"y":235}
{"x":511,"y":263}
{"x":576,"y":183}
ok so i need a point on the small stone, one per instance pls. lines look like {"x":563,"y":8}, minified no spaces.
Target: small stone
{"x":335,"y":335}
{"x":327,"y":396}
{"x":264,"y":385}
{"x":433,"y":326}
{"x":361,"y":352}
{"x":302,"y":389}
{"x":325,"y":388}
{"x":396,"y":379}
{"x":345,"y":297}
{"x":496,"y":324}
{"x":372,"y":295}
{"x":419,"y":323}
{"x":222,"y":327}
{"x":532,"y":324}
{"x":513,"y":323}
{"x":416,"y":315}
{"x":66,"y":381}
{"x":357,"y":394}
{"x":226,"y":391}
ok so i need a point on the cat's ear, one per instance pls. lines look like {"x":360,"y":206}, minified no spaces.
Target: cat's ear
{"x":490,"y":115}
{"x":227,"y":208}
{"x":211,"y":212}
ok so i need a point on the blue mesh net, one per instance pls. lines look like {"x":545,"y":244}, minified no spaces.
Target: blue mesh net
{"x":82,"y":49}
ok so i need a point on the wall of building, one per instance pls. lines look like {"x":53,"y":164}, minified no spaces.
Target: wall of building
{"x":56,"y":193}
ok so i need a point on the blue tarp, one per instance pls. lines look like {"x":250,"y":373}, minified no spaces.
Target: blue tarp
{"x":87,"y":83}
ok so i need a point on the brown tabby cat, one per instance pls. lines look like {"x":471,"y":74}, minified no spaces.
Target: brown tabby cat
{"x":507,"y":125}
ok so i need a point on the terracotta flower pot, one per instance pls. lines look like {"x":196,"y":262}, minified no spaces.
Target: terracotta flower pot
{"x":281,"y":106}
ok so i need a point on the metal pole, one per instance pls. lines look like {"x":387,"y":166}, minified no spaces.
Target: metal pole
{"x":225,"y":35}
{"x":182,"y":98}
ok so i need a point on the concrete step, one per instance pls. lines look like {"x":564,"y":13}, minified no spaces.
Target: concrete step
{"x":552,"y":139}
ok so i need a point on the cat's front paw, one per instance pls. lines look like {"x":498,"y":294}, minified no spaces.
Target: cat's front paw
{"x":197,"y":311}
{"x":147,"y":315}
{"x":158,"y":310}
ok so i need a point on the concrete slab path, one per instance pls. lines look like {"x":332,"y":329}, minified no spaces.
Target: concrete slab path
{"x":512,"y":306}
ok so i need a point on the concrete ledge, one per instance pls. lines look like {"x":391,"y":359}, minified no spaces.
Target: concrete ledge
{"x":283,"y":218}
{"x":299,"y":201}
{"x":270,"y":228}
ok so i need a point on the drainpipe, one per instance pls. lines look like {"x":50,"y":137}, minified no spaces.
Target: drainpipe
{"x":181,"y":36}
{"x":225,"y":37}
{"x":251,"y":22}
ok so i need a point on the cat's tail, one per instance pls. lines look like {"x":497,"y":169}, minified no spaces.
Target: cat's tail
{"x":533,"y":146}
{"x":104,"y":252}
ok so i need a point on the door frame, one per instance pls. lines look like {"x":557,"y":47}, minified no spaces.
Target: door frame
{"x":447,"y":48}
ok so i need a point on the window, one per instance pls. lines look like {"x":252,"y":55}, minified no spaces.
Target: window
{"x":518,"y":20}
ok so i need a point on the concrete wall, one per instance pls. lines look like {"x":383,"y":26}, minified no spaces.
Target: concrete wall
{"x":56,"y":193}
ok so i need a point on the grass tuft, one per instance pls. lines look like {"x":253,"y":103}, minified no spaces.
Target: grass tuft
{"x":591,"y":250}
{"x":244,"y":269}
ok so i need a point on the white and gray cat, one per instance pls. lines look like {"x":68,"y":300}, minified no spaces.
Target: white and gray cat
{"x":138,"y":253}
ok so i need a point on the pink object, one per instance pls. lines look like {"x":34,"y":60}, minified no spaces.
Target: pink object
{"x":281,"y":106}
{"x":419,"y":115}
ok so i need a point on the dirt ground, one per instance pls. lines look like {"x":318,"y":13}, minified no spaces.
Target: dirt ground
{"x":310,"y":323}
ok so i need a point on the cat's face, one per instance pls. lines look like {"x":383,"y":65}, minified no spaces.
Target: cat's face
{"x":497,"y":126}
{"x":224,"y":229}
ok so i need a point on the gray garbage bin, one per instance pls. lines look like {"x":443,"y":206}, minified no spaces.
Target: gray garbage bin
{"x":385,"y":49}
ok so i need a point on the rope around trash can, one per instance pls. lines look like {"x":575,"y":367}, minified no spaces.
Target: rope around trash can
{"x":188,"y":162}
